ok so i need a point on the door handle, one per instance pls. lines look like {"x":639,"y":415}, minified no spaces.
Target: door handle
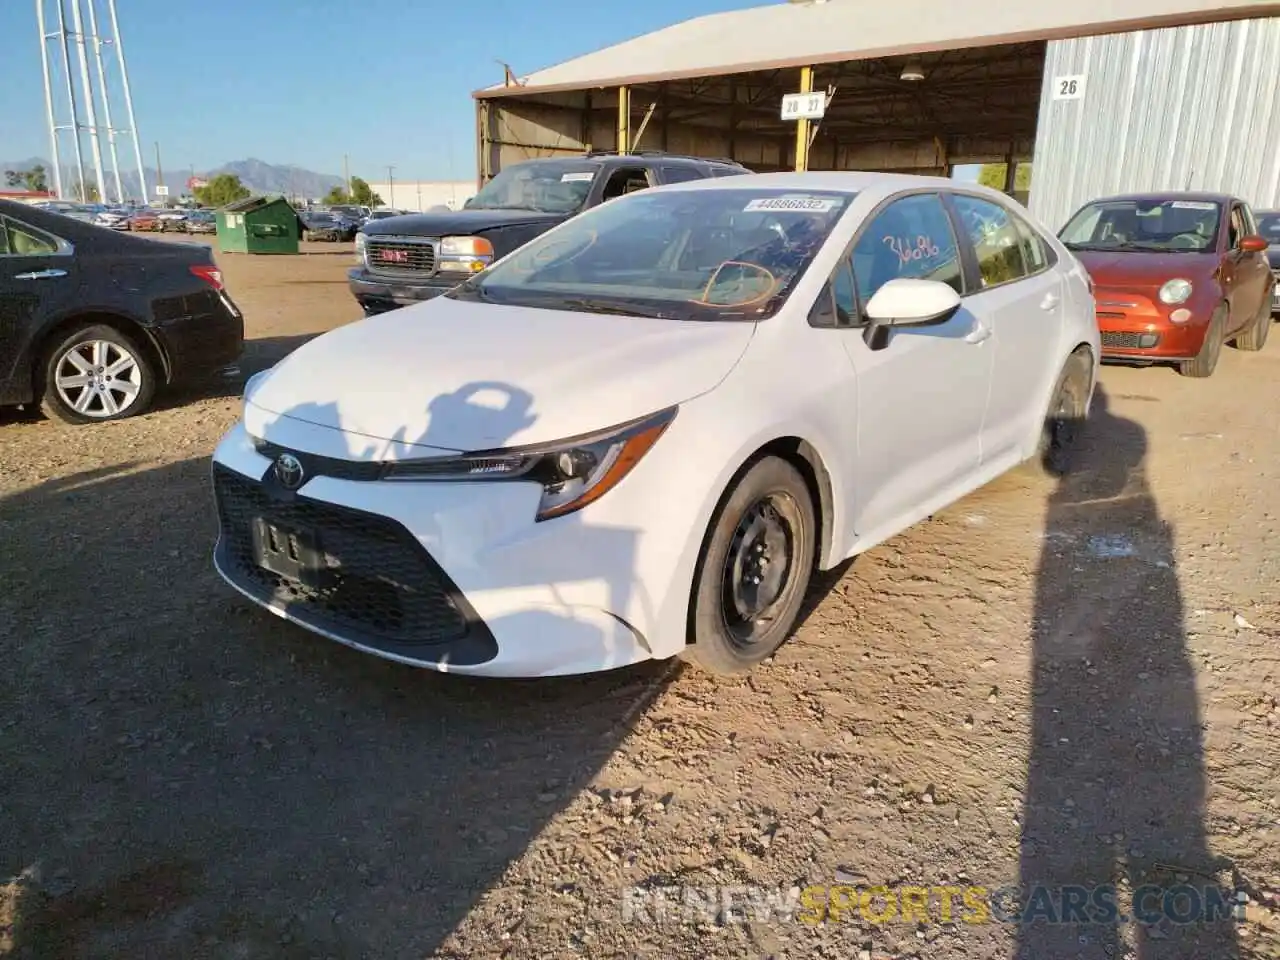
{"x":1049,"y":302}
{"x":40,"y":274}
{"x":979,"y":333}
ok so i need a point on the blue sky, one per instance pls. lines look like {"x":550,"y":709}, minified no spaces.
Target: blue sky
{"x":305,"y":81}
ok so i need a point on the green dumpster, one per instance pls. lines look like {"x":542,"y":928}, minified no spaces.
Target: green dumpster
{"x":259,"y":225}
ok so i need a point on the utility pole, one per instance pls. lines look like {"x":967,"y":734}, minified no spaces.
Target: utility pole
{"x":106,"y":103}
{"x":48,"y":100}
{"x":128,"y":97}
{"x":391,"y":187}
{"x":71,"y":97}
{"x":90,"y":101}
{"x":346,"y":174}
{"x":159,"y":175}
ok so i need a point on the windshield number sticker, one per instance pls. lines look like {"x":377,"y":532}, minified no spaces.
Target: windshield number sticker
{"x":791,"y":204}
{"x":924,"y":249}
{"x":585,"y":177}
{"x":1192,"y":205}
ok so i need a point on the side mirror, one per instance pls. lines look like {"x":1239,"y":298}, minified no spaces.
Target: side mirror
{"x":904,"y":302}
{"x":1253,"y":244}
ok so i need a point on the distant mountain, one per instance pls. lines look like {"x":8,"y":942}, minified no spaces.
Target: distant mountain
{"x":257,"y":175}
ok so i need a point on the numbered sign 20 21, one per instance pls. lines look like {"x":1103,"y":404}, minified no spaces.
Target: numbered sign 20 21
{"x":1068,"y":88}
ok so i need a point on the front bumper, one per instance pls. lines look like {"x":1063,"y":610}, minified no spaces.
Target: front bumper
{"x":1133,"y":326}
{"x":378,"y":294}
{"x":457,"y":577}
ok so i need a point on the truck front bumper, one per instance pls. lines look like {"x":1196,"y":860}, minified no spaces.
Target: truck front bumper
{"x":379,"y":294}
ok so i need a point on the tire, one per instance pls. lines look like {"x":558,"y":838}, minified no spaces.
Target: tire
{"x":99,"y":349}
{"x":768,"y":515}
{"x":1064,"y":419}
{"x":1206,"y":361}
{"x":1255,"y":338}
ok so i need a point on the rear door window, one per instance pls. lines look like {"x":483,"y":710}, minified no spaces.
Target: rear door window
{"x":682,"y":173}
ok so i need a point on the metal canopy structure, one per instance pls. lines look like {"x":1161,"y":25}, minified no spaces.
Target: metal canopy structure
{"x":915,"y":86}
{"x":816,"y":32}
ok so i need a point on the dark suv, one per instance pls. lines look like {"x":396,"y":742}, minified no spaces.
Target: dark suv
{"x":421,"y":255}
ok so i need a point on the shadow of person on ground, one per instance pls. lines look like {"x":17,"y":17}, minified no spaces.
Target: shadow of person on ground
{"x":1116,"y":782}
{"x":189,"y":776}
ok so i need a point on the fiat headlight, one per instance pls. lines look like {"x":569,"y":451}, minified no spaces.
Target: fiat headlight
{"x":1175,"y":291}
{"x":573,"y":472}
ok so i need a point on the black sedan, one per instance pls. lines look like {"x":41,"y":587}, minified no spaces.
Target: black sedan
{"x":323,"y":225}
{"x":1269,"y":227}
{"x":95,"y":322}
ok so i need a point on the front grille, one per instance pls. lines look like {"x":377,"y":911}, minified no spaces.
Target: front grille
{"x":1130,"y":341}
{"x":378,"y":583}
{"x":401,"y":256}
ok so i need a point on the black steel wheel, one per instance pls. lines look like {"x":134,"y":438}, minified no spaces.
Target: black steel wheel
{"x":755,"y":567}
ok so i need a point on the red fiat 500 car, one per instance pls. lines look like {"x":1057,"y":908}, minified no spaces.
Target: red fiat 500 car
{"x":1176,"y":275}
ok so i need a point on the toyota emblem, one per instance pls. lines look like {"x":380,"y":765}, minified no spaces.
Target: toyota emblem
{"x":289,"y":471}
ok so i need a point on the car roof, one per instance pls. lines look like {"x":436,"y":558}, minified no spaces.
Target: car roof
{"x":841,"y":181}
{"x":1165,"y":195}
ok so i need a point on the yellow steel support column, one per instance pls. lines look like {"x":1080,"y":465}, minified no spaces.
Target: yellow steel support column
{"x":802,"y":126}
{"x":624,"y":119}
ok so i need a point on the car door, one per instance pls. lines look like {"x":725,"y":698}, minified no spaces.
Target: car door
{"x":1234,"y":272}
{"x":922,"y":391}
{"x":37,"y":278}
{"x":1257,"y":265}
{"x":1017,"y":293}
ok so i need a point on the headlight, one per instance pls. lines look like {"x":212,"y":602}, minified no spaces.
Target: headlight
{"x":360,"y":242}
{"x":465,"y":254}
{"x":573,"y":472}
{"x":1175,"y":291}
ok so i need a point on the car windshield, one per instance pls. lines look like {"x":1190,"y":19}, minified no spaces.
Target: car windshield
{"x":679,"y":254}
{"x":1269,"y":227}
{"x":547,"y":186}
{"x":345,"y":211}
{"x":1167,"y":226}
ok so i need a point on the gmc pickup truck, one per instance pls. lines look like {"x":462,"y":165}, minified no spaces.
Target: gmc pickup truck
{"x":406,"y":259}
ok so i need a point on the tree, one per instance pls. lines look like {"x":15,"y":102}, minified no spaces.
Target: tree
{"x":33,"y":179}
{"x":992,"y":175}
{"x":223,"y":189}
{"x":361,"y":193}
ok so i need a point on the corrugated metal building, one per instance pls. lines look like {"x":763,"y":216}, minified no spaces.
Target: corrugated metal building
{"x":918,"y":86}
{"x":1195,"y":108}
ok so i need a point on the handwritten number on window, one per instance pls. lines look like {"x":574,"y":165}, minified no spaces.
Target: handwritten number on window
{"x":923,"y":249}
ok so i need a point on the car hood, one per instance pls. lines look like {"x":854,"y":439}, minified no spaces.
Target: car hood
{"x":461,"y":376}
{"x":1139,"y":270}
{"x":455,"y":222}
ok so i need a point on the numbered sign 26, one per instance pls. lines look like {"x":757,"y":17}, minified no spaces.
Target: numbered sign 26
{"x":1068,"y":88}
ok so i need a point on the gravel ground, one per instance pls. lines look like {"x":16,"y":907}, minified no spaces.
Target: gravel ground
{"x":1071,"y":684}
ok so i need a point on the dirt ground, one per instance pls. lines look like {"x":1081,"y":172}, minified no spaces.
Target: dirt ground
{"x":1070,"y":684}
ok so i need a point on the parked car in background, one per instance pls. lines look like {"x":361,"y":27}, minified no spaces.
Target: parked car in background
{"x":382,"y":215}
{"x":327,"y":225}
{"x":415,"y":257}
{"x":144,"y":220}
{"x":638,"y":435}
{"x":171,"y":221}
{"x":1176,"y":275}
{"x":351,"y":211}
{"x":202,"y":221}
{"x":1269,"y":228}
{"x":113,"y":218}
{"x":96,"y":322}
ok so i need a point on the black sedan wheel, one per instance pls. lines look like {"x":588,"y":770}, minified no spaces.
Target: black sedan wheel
{"x":754,"y":570}
{"x":96,"y":374}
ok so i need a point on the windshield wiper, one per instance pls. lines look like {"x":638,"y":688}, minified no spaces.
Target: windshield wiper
{"x":611,"y":307}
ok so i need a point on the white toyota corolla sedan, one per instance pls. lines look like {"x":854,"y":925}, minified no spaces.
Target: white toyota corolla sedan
{"x":638,"y":436}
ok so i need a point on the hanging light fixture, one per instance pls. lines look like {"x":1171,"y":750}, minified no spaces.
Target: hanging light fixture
{"x":912,"y":71}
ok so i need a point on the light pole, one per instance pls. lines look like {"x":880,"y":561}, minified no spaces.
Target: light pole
{"x":391,"y":187}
